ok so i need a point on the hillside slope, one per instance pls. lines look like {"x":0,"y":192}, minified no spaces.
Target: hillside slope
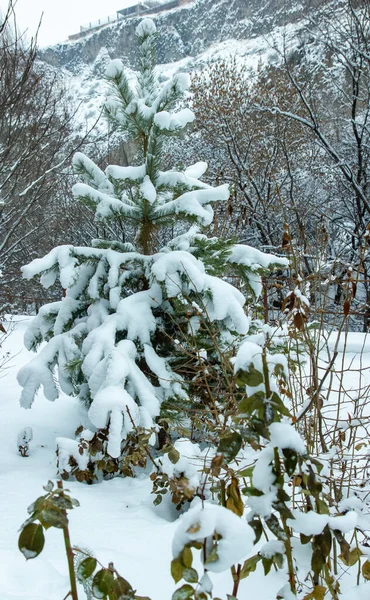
{"x":189,"y":36}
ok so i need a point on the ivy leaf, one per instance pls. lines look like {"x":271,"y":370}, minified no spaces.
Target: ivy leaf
{"x":31,"y":540}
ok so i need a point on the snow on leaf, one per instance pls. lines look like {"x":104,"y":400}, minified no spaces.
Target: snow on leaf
{"x":201,"y":523}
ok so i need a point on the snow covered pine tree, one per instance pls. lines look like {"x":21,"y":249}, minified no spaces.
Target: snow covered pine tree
{"x":112,"y":341}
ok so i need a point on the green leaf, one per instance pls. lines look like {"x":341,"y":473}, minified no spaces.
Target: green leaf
{"x":257,"y":528}
{"x":351,"y":558}
{"x":157,"y":500}
{"x":246,"y":472}
{"x":121,"y":590}
{"x":86,"y":568}
{"x":315,"y":487}
{"x":283,"y":510}
{"x":53,"y":517}
{"x":190,"y":575}
{"x":183,"y":593}
{"x":212,"y":556}
{"x":49,"y":486}
{"x":317,"y":562}
{"x":234,"y":501}
{"x":318,"y":593}
{"x":251,"y":403}
{"x":344,"y":546}
{"x":305,"y":539}
{"x":259,"y":425}
{"x":249,"y":566}
{"x":267,"y":564}
{"x":252,"y":377}
{"x":282,"y":495}
{"x":174,"y":455}
{"x":366,"y":570}
{"x":290,"y":460}
{"x":230,"y":444}
{"x":279,"y":405}
{"x":273,"y":524}
{"x":322,"y":507}
{"x":102,"y":583}
{"x":62,"y":502}
{"x":37,"y":504}
{"x":186,"y":557}
{"x":251,"y":491}
{"x":323,"y":541}
{"x":177,"y":569}
{"x":278,"y":559}
{"x":31,"y":540}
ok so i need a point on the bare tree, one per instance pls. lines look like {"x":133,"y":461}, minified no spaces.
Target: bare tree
{"x":37,"y":141}
{"x":333,"y":100}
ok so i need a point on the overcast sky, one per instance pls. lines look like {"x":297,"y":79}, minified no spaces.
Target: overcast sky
{"x":61,"y":17}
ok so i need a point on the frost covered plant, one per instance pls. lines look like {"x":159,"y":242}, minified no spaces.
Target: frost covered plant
{"x":287,"y":494}
{"x":51,"y":510}
{"x":260,"y":470}
{"x":116,"y":339}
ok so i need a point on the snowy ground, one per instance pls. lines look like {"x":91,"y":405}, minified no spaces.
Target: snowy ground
{"x":116,"y":520}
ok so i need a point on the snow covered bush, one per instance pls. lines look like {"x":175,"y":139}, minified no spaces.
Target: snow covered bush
{"x":119,"y":339}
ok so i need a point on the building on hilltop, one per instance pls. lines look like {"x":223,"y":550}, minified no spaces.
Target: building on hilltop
{"x":131,"y":11}
{"x":135,"y":10}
